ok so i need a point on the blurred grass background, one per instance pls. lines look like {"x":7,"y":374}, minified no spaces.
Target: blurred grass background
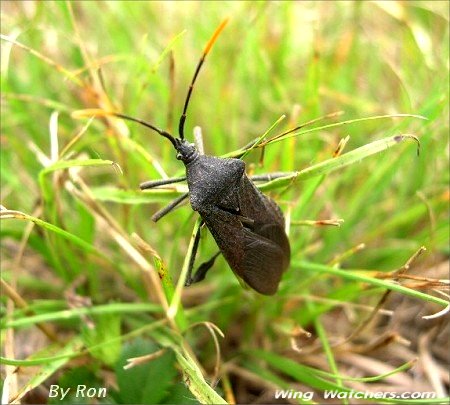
{"x":299,"y":59}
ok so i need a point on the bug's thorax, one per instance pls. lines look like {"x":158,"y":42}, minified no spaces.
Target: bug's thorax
{"x":211,"y":181}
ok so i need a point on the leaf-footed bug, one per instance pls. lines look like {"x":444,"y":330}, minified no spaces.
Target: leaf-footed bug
{"x":247,"y":226}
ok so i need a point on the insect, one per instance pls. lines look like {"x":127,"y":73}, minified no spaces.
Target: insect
{"x":247,"y":226}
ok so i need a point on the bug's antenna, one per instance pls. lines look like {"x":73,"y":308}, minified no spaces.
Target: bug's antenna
{"x":96,"y":112}
{"x":165,"y":134}
{"x":197,"y":70}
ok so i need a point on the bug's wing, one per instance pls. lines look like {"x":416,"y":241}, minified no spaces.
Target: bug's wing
{"x":263,"y":263}
{"x":268,"y":220}
{"x":256,"y":259}
{"x":257,"y":206}
{"x":276,"y":234}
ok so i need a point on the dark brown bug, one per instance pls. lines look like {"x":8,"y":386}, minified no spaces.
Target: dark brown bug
{"x":247,"y":226}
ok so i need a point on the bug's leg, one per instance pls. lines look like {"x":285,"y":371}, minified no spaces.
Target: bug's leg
{"x":200,"y":273}
{"x":162,"y":182}
{"x":172,"y":205}
{"x":270,"y":176}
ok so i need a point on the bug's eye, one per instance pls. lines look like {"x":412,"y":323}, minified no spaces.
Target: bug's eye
{"x":179,"y":156}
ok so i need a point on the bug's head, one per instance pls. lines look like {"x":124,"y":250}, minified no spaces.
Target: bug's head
{"x":186,"y":151}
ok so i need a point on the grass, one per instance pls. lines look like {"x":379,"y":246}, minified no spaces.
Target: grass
{"x":91,"y":284}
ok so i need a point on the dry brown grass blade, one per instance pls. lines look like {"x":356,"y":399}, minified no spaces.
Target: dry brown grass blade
{"x":214,"y":330}
{"x":21,"y":303}
{"x":136,"y":361}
